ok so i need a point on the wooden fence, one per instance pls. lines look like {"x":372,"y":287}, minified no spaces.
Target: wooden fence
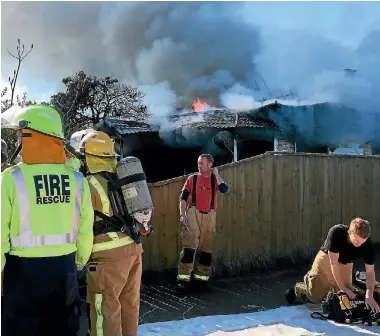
{"x":277,"y":203}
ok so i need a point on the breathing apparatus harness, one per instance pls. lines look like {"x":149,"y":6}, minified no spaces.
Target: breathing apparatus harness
{"x":121,"y":220}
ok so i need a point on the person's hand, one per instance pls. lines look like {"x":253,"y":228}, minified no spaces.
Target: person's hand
{"x":370,"y":303}
{"x":215,"y":171}
{"x":349,"y":293}
{"x":184,"y":222}
{"x":80,"y":267}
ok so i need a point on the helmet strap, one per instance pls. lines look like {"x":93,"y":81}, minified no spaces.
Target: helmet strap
{"x":26,"y":135}
{"x":14,"y":155}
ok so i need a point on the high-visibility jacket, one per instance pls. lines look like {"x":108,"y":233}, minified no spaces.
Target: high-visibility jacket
{"x":73,"y":162}
{"x":46,"y":211}
{"x":100,"y":202}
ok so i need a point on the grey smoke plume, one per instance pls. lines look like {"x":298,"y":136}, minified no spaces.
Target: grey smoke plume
{"x":199,"y":48}
{"x":229,"y":53}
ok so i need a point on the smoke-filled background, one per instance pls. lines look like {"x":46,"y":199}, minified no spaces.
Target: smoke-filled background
{"x":226,"y":53}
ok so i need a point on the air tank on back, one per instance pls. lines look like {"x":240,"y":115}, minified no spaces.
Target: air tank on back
{"x":135,"y":192}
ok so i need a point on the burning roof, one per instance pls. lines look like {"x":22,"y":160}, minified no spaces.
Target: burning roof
{"x":313,"y":123}
{"x":202,"y":106}
{"x":208,"y":119}
{"x":201,"y":115}
{"x":218,"y":119}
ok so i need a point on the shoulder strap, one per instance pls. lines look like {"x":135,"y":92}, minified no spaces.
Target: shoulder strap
{"x":194,"y":190}
{"x":106,"y":218}
{"x":213,"y":178}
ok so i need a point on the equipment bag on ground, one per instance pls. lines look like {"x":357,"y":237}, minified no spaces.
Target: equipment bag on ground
{"x":339,"y":308}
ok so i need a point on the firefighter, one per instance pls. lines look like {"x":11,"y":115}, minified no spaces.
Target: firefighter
{"x":75,"y":139}
{"x":115,"y":267}
{"x":198,"y":204}
{"x":332,"y":267}
{"x":46,"y":230}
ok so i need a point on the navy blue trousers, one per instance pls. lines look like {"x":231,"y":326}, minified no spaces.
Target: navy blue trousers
{"x":40,"y":297}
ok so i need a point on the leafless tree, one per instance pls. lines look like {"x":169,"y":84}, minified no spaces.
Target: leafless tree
{"x":9,"y":135}
{"x":20,"y":56}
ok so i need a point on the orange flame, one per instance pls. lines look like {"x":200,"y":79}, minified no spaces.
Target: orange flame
{"x":198,"y":105}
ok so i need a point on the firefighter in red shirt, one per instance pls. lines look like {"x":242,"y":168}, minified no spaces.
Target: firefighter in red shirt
{"x":198,"y":204}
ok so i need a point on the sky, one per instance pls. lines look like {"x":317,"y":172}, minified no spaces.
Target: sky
{"x":228,"y":53}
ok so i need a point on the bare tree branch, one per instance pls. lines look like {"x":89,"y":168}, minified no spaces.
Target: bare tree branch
{"x":12,"y":54}
{"x":26,"y":54}
{"x":20,"y":57}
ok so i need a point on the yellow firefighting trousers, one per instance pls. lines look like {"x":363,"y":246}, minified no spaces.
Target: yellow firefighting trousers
{"x":114,"y":279}
{"x":200,"y":236}
{"x":320,"y":280}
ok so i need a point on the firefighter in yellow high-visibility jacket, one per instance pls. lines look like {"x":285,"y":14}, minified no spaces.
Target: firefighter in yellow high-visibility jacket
{"x":115,"y":267}
{"x":46,"y":230}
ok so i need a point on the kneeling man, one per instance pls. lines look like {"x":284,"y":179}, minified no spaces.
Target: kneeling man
{"x":332,"y":267}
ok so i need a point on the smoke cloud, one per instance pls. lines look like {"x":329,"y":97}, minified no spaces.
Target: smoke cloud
{"x":228,"y":53}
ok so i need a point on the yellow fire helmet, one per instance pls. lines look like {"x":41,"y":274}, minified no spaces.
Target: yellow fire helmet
{"x":99,"y":152}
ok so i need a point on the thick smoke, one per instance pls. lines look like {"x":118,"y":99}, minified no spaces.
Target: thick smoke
{"x":234,"y":54}
{"x":199,"y":48}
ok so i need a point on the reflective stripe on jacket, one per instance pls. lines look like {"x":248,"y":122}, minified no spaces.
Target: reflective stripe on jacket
{"x":106,"y":206}
{"x":101,"y":203}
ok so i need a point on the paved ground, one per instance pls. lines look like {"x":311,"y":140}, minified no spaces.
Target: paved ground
{"x":161,"y":301}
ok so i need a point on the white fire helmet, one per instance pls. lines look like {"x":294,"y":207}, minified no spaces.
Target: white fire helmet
{"x":77,"y":137}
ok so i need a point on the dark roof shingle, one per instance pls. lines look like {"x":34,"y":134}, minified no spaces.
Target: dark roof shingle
{"x":129,"y":126}
{"x":217,"y":119}
{"x":209,"y":119}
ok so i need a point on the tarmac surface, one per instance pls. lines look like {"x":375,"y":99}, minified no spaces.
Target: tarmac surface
{"x":162,"y":301}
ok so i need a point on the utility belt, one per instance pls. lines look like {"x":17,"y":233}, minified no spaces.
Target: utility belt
{"x":202,"y":212}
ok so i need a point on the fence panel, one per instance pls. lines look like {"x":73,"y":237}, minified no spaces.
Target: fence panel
{"x":277,"y":203}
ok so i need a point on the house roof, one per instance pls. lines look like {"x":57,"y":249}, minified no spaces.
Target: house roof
{"x":218,"y":119}
{"x":129,"y":126}
{"x":209,"y":119}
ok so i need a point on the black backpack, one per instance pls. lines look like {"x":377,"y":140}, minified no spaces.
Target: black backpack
{"x":339,"y":308}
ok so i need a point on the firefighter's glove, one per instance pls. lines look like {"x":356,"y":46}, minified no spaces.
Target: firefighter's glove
{"x":147,"y":232}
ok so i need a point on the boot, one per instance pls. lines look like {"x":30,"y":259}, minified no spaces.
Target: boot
{"x":290,"y":296}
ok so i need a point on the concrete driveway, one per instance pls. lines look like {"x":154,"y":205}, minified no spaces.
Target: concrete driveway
{"x":161,"y":300}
